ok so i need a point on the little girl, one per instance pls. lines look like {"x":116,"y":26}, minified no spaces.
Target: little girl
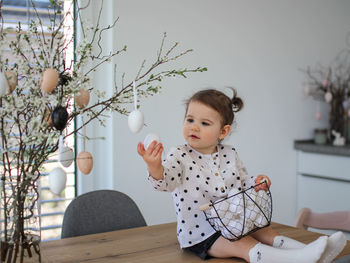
{"x":204,"y":170}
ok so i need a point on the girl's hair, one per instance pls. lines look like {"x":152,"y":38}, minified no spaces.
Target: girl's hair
{"x":220,"y":102}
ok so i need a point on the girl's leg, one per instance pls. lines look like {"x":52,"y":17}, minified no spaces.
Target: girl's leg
{"x":335,"y":243}
{"x":266,"y":235}
{"x":271,"y":237}
{"x":223,"y":248}
{"x":253,"y":251}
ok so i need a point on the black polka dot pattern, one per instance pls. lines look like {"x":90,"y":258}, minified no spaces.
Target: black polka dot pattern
{"x":196,"y":179}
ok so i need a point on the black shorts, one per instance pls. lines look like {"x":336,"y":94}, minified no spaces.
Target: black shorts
{"x":202,"y":248}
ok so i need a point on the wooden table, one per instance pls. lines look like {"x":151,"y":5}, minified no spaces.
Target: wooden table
{"x":156,"y":244}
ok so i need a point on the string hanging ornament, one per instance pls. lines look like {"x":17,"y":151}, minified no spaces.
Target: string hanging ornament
{"x":135,"y":119}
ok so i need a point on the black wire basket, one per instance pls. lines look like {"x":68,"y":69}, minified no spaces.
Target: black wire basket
{"x":240,"y":213}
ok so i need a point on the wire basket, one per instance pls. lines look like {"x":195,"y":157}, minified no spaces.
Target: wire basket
{"x":240,"y":213}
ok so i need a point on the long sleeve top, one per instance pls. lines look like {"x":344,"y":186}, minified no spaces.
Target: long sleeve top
{"x":196,"y":179}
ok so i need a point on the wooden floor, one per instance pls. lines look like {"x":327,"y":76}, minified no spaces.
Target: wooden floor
{"x":155,"y":244}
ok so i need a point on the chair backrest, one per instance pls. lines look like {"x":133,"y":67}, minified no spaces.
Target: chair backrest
{"x":339,"y":220}
{"x":100,"y":211}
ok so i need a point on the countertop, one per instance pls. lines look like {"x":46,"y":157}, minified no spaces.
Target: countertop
{"x":310,"y":146}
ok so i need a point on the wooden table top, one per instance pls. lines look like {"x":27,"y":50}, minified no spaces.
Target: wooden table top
{"x":156,"y":244}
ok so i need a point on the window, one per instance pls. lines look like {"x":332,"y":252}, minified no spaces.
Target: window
{"x":52,"y":206}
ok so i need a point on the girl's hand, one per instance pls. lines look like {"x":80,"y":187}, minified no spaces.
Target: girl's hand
{"x":153,"y":158}
{"x":261,"y":178}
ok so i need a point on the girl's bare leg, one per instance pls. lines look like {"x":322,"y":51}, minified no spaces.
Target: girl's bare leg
{"x":265,"y":235}
{"x":223,"y":248}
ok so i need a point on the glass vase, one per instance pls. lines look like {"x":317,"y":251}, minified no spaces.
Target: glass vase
{"x":20,"y":222}
{"x":336,"y":117}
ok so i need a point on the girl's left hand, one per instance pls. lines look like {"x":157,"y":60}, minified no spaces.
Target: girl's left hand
{"x":261,"y":178}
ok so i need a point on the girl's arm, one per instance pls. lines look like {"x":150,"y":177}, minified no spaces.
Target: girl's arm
{"x":153,"y":158}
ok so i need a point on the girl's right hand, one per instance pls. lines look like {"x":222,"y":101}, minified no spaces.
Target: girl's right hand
{"x":153,"y":158}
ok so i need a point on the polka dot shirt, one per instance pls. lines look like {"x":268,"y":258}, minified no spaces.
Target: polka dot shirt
{"x":196,"y":179}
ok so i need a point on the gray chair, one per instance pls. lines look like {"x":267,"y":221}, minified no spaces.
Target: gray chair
{"x":100,"y":211}
{"x":344,"y":259}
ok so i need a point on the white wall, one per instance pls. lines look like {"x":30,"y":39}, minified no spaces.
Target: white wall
{"x":256,"y":46}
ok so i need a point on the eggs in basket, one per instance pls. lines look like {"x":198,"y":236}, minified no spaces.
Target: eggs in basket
{"x":240,"y":213}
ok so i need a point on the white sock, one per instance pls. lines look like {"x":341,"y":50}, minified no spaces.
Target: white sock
{"x":335,"y":245}
{"x":261,"y":253}
{"x":286,"y":242}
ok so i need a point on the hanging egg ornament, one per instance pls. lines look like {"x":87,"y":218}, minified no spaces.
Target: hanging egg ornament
{"x":49,"y":80}
{"x":325,"y":83}
{"x":66,"y":156}
{"x":135,"y":121}
{"x":57,"y":180}
{"x":82,"y":98}
{"x":59,"y":117}
{"x":4,"y":85}
{"x":328,"y":97}
{"x":318,"y":115}
{"x":12,"y":80}
{"x":85,"y":162}
{"x":150,"y":138}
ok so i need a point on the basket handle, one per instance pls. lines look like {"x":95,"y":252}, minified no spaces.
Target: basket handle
{"x":205,"y":206}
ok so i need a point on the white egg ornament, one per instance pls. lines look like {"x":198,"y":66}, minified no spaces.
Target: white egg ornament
{"x":135,"y":121}
{"x":57,"y":180}
{"x":150,"y":138}
{"x":4,"y":85}
{"x":66,"y":156}
{"x":328,"y":97}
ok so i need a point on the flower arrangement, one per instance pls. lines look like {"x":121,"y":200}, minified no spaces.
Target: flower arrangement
{"x":41,"y":93}
{"x":332,"y":85}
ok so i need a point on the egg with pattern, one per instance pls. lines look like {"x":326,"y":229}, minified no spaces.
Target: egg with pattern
{"x":85,"y":162}
{"x":66,"y":156}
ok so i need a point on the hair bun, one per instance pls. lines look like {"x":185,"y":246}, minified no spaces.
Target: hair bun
{"x":237,"y":102}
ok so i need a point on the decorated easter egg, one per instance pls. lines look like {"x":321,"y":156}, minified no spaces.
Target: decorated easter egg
{"x":4,"y":86}
{"x":59,"y":117}
{"x":85,"y":162}
{"x":82,"y":99}
{"x":12,"y":80}
{"x":49,"y":80}
{"x":57,"y":180}
{"x":135,"y":121}
{"x":66,"y":156}
{"x":328,"y":97}
{"x":150,"y":138}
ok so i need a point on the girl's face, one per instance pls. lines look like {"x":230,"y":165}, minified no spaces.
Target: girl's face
{"x":202,"y":128}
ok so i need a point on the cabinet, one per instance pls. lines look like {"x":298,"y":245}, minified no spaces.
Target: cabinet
{"x":323,"y":177}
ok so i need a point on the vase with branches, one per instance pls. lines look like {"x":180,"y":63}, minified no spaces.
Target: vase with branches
{"x":34,"y":114}
{"x":332,"y":85}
